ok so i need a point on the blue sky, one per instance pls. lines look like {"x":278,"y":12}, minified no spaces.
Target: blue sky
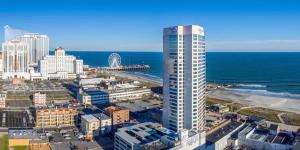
{"x":136,"y":25}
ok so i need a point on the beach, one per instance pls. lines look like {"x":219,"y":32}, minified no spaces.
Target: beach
{"x":271,"y":102}
{"x":226,"y":94}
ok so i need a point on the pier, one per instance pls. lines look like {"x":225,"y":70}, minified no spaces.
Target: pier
{"x":126,"y":68}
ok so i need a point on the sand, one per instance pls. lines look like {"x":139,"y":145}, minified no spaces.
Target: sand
{"x":276,"y":103}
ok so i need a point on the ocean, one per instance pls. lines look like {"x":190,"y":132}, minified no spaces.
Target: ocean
{"x":274,"y":74}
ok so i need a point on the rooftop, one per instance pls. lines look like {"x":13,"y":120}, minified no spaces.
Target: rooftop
{"x":89,"y":118}
{"x":220,"y":133}
{"x":101,"y":116}
{"x":145,"y":133}
{"x":112,"y":109}
{"x":284,"y":138}
{"x":22,"y":134}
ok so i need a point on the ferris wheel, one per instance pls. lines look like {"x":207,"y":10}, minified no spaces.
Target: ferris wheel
{"x":114,"y":60}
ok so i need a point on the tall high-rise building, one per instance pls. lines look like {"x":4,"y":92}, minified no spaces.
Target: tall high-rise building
{"x":184,"y":78}
{"x":15,"y":55}
{"x":38,"y":46}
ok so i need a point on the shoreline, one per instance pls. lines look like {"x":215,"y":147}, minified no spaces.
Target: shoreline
{"x":225,"y":93}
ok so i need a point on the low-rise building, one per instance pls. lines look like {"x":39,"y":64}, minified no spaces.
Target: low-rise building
{"x":39,"y":99}
{"x":22,"y":137}
{"x":118,"y":116}
{"x":48,"y":117}
{"x":217,"y":139}
{"x":102,"y":96}
{"x":254,"y":136}
{"x":219,"y":108}
{"x":90,"y":126}
{"x":105,"y":123}
{"x":3,"y":99}
{"x":149,"y":135}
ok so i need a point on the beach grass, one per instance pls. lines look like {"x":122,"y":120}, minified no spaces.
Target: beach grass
{"x":291,"y":119}
{"x":19,"y":147}
{"x":4,"y":142}
{"x":59,"y":97}
{"x":212,"y":101}
{"x":268,"y":114}
{"x":17,"y":97}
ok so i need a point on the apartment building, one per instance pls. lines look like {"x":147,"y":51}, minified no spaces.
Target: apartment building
{"x":118,"y":116}
{"x":48,"y":117}
{"x":39,"y":99}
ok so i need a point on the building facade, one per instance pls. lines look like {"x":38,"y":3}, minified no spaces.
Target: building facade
{"x":97,"y":96}
{"x":60,"y":66}
{"x":15,"y":55}
{"x":2,"y":99}
{"x":55,"y":117}
{"x":38,"y":46}
{"x":1,"y":65}
{"x":90,"y":126}
{"x":184,"y":78}
{"x":39,"y":99}
{"x":118,"y":116}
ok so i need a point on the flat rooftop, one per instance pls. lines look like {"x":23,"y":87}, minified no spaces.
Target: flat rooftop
{"x":260,"y":134}
{"x":220,"y":133}
{"x":89,"y":118}
{"x":284,"y":138}
{"x":22,"y":134}
{"x":101,"y":116}
{"x":146,"y":132}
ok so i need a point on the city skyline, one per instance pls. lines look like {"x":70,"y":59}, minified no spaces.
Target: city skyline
{"x":93,"y":25}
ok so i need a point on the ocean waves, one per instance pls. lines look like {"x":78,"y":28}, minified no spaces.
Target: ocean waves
{"x":265,"y":92}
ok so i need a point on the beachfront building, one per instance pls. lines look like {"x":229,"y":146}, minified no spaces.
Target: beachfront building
{"x":2,"y":99}
{"x":60,"y":66}
{"x":39,"y":99}
{"x":184,"y":78}
{"x":38,"y":46}
{"x":15,"y":56}
{"x":149,"y":135}
{"x":50,"y":117}
{"x":90,"y":126}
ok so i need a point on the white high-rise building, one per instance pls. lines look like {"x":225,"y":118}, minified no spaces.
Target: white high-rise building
{"x":38,"y":46}
{"x":1,"y":65}
{"x":184,"y":78}
{"x":15,"y":55}
{"x":60,"y":65}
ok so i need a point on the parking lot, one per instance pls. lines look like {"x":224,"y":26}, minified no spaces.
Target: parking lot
{"x":139,"y":105}
{"x":18,"y":103}
{"x":15,"y":119}
{"x":33,"y":86}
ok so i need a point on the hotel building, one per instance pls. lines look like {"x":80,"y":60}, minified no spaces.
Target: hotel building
{"x":47,"y":117}
{"x":184,"y":78}
{"x":38,"y":46}
{"x":15,"y":55}
{"x":39,"y":99}
{"x":60,"y":66}
{"x":1,"y":65}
